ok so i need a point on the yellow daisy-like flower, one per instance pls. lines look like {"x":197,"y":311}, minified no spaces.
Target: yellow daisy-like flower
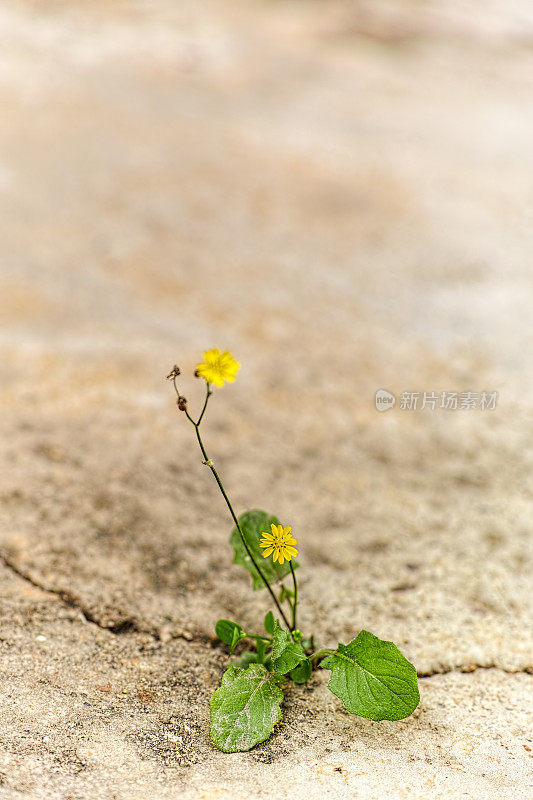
{"x":280,"y":542}
{"x":217,"y":367}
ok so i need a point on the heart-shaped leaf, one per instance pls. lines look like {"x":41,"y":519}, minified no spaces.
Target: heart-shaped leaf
{"x":245,"y":708}
{"x":373,"y":679}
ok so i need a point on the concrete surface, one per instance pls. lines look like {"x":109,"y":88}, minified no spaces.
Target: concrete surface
{"x":341,"y":195}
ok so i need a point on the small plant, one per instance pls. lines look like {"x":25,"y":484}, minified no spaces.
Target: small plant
{"x":370,"y":676}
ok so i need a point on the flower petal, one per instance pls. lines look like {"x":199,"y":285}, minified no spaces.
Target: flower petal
{"x":211,"y":355}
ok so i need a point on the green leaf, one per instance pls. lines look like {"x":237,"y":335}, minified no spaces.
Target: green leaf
{"x":373,"y":679}
{"x":253,"y":523}
{"x":269,"y":623}
{"x":302,"y":673}
{"x":245,"y":708}
{"x":229,"y":632}
{"x":286,"y":654}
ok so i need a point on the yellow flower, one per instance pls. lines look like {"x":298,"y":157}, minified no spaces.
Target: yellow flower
{"x":280,"y":542}
{"x":217,"y":367}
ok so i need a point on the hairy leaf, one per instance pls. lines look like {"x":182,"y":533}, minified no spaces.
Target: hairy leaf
{"x":245,"y":708}
{"x":373,"y":679}
{"x":253,"y":523}
{"x":286,"y":654}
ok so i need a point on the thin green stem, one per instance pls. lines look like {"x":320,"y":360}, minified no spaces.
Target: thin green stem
{"x":294,"y":604}
{"x":257,"y":636}
{"x":237,"y":525}
{"x":208,"y":394}
{"x":326,"y":651}
{"x":260,"y":649}
{"x":209,"y":463}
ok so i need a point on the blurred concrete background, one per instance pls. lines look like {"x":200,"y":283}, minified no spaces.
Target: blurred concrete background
{"x":340,"y":193}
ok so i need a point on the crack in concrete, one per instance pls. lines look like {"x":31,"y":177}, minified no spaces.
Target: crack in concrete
{"x":472,"y":667}
{"x":132,"y":625}
{"x":127,"y":625}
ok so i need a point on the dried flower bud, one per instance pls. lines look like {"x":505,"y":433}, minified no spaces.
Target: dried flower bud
{"x":182,"y":403}
{"x":174,"y":372}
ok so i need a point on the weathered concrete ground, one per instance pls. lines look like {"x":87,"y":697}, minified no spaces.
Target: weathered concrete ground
{"x":341,"y":195}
